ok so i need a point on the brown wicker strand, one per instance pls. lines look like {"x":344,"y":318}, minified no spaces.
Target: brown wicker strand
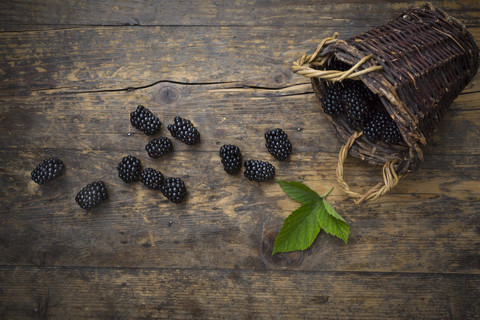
{"x":390,"y":176}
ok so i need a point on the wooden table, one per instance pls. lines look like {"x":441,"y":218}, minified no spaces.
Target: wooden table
{"x":70,"y":74}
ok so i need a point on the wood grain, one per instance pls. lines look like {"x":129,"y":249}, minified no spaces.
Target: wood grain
{"x":354,"y":13}
{"x":70,"y":74}
{"x":78,"y":293}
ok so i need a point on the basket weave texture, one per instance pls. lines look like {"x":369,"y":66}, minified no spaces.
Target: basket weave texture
{"x":417,"y":64}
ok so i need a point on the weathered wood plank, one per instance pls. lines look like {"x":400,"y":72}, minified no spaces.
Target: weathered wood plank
{"x":102,"y":58}
{"x":307,"y":13}
{"x":407,"y":233}
{"x":99,"y":293}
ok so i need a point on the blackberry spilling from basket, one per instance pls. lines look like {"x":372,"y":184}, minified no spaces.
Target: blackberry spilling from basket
{"x":91,"y":195}
{"x":356,"y":107}
{"x":184,"y":130}
{"x":159,"y":147}
{"x":129,"y":169}
{"x":48,"y":170}
{"x":152,"y":178}
{"x":231,"y":158}
{"x":331,"y":100}
{"x":145,"y":120}
{"x":360,"y":108}
{"x":277,"y":143}
{"x":174,"y":190}
{"x":256,"y":170}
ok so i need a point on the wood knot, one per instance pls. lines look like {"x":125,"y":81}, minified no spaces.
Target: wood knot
{"x":282,"y":260}
{"x":278,"y":78}
{"x":168,"y":94}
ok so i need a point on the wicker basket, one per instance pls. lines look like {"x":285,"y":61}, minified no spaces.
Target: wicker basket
{"x":417,"y":65}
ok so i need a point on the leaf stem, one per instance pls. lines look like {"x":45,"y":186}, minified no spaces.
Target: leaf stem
{"x":326,"y":194}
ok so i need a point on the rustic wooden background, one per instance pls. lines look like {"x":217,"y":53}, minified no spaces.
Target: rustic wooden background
{"x":70,"y":73}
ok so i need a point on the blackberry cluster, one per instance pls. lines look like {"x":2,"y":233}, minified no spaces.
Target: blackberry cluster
{"x":331,"y":99}
{"x":152,"y":179}
{"x":174,"y":190}
{"x":184,"y":130}
{"x":48,"y":170}
{"x":355,"y":107}
{"x":277,"y":143}
{"x":145,"y":120}
{"x":391,"y":134}
{"x":360,"y":88}
{"x":374,"y":128}
{"x":129,"y":169}
{"x":231,"y":158}
{"x":360,"y":107}
{"x":159,"y":147}
{"x":91,"y":195}
{"x":382,"y":128}
{"x":256,"y":170}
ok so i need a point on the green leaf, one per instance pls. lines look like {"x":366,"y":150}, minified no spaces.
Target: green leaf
{"x":298,"y":191}
{"x":299,"y":229}
{"x":302,"y":226}
{"x":333,"y":226}
{"x":332,"y":211}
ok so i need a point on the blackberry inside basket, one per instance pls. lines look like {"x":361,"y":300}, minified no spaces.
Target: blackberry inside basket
{"x":385,"y":90}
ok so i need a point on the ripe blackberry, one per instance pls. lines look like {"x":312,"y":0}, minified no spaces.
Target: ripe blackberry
{"x":382,"y":127}
{"x":278,"y":144}
{"x":184,"y":130}
{"x":256,"y":170}
{"x":145,"y":120}
{"x":331,"y":99}
{"x":391,"y":134}
{"x":91,"y":195}
{"x":374,"y":128}
{"x":152,"y":179}
{"x":360,"y":88}
{"x":355,"y":107}
{"x":159,"y":147}
{"x":48,"y":170}
{"x":174,"y":190}
{"x":231,"y":158}
{"x":129,"y":169}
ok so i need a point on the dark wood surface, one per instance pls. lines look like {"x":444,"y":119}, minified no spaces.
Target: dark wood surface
{"x":70,"y":73}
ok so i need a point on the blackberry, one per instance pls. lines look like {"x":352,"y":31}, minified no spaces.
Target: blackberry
{"x":174,"y":190}
{"x":256,"y":170}
{"x":278,"y":144}
{"x":145,"y":120}
{"x":360,"y":88}
{"x":91,"y":195}
{"x":231,"y":158}
{"x":152,"y":179}
{"x":159,"y":147}
{"x":129,"y":169}
{"x":48,"y":170}
{"x":374,"y":128}
{"x":391,"y":134}
{"x":331,"y":99}
{"x":382,"y":127}
{"x":355,"y":107}
{"x":184,"y":130}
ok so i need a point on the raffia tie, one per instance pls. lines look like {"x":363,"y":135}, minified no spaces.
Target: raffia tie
{"x":390,"y":177}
